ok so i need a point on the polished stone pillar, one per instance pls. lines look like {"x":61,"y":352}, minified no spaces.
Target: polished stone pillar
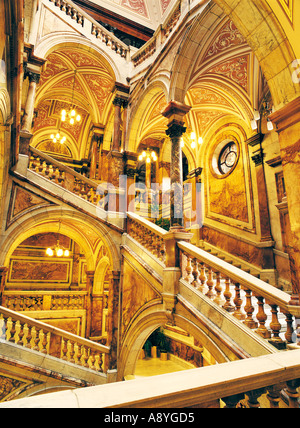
{"x":25,"y":133}
{"x":287,"y":120}
{"x":113,"y":319}
{"x":257,"y":157}
{"x":3,"y":273}
{"x":128,"y":201}
{"x":117,"y":102}
{"x":88,"y":306}
{"x":175,"y":112}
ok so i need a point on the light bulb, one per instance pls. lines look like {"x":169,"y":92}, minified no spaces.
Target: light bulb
{"x":73,"y":112}
{"x":153,"y":154}
{"x":193,"y":136}
{"x":256,"y":115}
{"x":59,"y":252}
{"x":193,"y":145}
{"x":52,"y":136}
{"x":66,"y":253}
{"x":58,"y":136}
{"x":144,"y":154}
{"x":63,"y":113}
{"x":72,"y":121}
{"x":63,"y":118}
{"x":200,"y":140}
{"x":54,"y":140}
{"x":78,"y":117}
{"x":140,"y":157}
{"x":253,"y":124}
{"x":155,"y":158}
{"x":49,"y":252}
{"x":270,"y":125}
{"x":148,"y":160}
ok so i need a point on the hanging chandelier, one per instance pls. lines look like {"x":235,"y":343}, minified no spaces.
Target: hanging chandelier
{"x":57,"y":250}
{"x":58,"y":138}
{"x":193,"y":140}
{"x":147,"y":156}
{"x":71,"y":115}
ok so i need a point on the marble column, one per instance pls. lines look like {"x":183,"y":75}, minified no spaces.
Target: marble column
{"x":117,"y":102}
{"x":113,"y":319}
{"x":25,"y":133}
{"x":128,"y":202}
{"x":175,"y":112}
{"x":287,"y":120}
{"x":257,"y":157}
{"x":3,"y":273}
{"x":89,"y":289}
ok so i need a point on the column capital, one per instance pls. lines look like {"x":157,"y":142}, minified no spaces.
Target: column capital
{"x":258,"y":157}
{"x":175,"y":111}
{"x":175,"y":130}
{"x":287,"y":115}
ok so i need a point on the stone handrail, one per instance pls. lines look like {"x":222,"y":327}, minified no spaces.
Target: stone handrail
{"x":215,"y":278}
{"x":249,"y":383}
{"x":38,"y":336}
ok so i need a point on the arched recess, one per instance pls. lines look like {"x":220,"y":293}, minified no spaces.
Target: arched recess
{"x":263,"y":33}
{"x":76,"y":226}
{"x":152,"y":103}
{"x":145,"y":324}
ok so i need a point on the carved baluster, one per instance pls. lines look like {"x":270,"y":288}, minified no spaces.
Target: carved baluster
{"x":85,"y":357}
{"x":253,"y":396}
{"x":93,"y":30}
{"x":275,"y":325}
{"x":79,"y":355}
{"x":20,"y":330}
{"x":72,"y":351}
{"x":63,"y":7}
{"x":64,"y":349}
{"x":189,"y":276}
{"x":44,"y":341}
{"x":273,"y":395}
{"x":249,"y":308}
{"x":28,"y":336}
{"x":2,"y":327}
{"x":92,"y":360}
{"x":36,"y":339}
{"x":238,"y":303}
{"x":262,"y":318}
{"x":292,"y":393}
{"x":202,"y":278}
{"x":233,"y":401}
{"x":289,"y":328}
{"x":210,"y":284}
{"x":100,"y":362}
{"x":196,"y":274}
{"x":218,"y":289}
{"x":10,"y":330}
{"x":227,"y":294}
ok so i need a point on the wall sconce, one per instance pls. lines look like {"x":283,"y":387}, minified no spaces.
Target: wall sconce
{"x":266,"y":111}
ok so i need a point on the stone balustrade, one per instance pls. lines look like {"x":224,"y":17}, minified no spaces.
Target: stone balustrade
{"x":69,"y":179}
{"x":235,"y":290}
{"x":269,"y":381}
{"x":28,"y":301}
{"x":38,"y":336}
{"x":106,"y":37}
{"x":147,"y":234}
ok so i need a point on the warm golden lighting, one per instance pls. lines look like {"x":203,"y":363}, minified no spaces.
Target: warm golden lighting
{"x":58,"y":250}
{"x":57,"y":138}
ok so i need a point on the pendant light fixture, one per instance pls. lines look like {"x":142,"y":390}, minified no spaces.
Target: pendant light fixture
{"x":71,"y":115}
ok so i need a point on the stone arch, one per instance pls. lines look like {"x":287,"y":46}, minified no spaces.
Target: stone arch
{"x":147,"y":322}
{"x":137,"y":114}
{"x":261,"y":29}
{"x":42,"y":220}
{"x":53,"y":41}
